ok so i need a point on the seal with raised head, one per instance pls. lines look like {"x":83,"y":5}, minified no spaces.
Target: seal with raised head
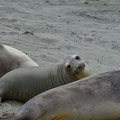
{"x":11,"y":58}
{"x":92,"y":98}
{"x":24,"y":83}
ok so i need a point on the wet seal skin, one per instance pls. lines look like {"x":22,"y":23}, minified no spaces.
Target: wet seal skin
{"x":22,"y":84}
{"x":93,"y":98}
{"x":11,"y":58}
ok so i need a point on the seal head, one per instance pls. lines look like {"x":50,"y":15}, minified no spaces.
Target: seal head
{"x":75,"y":66}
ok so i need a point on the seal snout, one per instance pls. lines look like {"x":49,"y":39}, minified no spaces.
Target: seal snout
{"x":80,"y":66}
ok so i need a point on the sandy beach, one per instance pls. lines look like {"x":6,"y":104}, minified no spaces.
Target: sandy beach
{"x":50,"y":30}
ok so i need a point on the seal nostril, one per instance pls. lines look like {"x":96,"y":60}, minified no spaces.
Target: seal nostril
{"x":83,"y":64}
{"x":79,"y":66}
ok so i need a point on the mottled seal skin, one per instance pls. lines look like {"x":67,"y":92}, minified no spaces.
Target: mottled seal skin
{"x":11,"y":58}
{"x":93,"y":98}
{"x":24,"y":83}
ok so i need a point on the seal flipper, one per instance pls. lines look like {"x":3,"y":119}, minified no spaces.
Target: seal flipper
{"x":6,"y":118}
{"x":59,"y":117}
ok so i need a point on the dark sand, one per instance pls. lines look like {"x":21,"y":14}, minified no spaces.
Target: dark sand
{"x":49,"y":30}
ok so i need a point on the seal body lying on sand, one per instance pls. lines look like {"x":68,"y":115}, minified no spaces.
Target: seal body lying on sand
{"x":11,"y":58}
{"x":93,"y":98}
{"x":24,"y":83}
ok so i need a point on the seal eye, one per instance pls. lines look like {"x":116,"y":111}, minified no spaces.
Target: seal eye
{"x":77,"y":57}
{"x":68,"y":66}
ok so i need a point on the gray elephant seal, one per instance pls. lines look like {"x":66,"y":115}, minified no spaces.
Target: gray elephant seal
{"x":24,"y":83}
{"x":93,"y":98}
{"x":11,"y":58}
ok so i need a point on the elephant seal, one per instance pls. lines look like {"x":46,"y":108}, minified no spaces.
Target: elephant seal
{"x":11,"y":58}
{"x":24,"y":83}
{"x":92,"y":98}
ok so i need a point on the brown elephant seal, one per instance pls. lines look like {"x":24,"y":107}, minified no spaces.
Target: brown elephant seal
{"x":11,"y":58}
{"x":24,"y":83}
{"x":93,"y":98}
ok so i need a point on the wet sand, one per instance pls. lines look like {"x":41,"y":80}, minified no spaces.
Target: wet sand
{"x":49,"y":30}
